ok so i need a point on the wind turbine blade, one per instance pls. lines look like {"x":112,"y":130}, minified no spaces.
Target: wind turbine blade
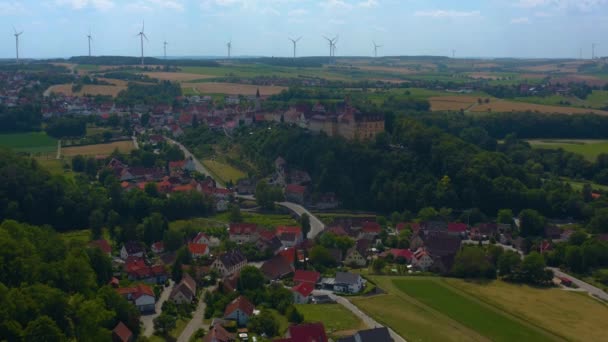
{"x":143,"y":25}
{"x":297,"y":40}
{"x":145,"y":36}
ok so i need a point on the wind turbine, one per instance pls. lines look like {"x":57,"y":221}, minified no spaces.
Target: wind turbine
{"x":295,"y":43}
{"x":376,"y":46}
{"x":17,"y":34}
{"x":142,"y":35}
{"x":593,"y":50}
{"x":453,"y":53}
{"x":332,"y":45}
{"x":229,"y":46}
{"x":165,"y":48}
{"x":89,"y":38}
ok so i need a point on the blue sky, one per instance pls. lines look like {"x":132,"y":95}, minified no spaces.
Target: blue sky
{"x":476,"y":28}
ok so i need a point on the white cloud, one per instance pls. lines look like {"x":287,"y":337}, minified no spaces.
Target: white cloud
{"x":335,"y":5}
{"x":81,"y":4}
{"x":521,"y":20}
{"x":582,"y":5}
{"x":368,"y":3}
{"x":447,"y":14}
{"x":11,"y":8}
{"x":297,"y":12}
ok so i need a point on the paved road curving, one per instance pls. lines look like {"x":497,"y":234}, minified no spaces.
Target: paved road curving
{"x":316,"y":226}
{"x":594,"y":291}
{"x":199,"y":166}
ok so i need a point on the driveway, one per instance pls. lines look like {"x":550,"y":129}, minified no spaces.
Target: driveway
{"x":370,"y":322}
{"x":148,"y":320}
{"x":197,"y":319}
{"x":594,"y":291}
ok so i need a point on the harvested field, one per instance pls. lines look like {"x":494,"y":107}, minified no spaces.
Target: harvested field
{"x":500,"y":106}
{"x":233,"y":88}
{"x":99,"y":149}
{"x":176,"y":76}
{"x":590,"y":80}
{"x":396,"y":70}
{"x":109,"y":90}
{"x":485,"y":75}
{"x":442,"y":103}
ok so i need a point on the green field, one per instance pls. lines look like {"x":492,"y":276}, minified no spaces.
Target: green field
{"x":447,"y":309}
{"x":598,"y":100}
{"x":224,"y":171}
{"x":338,"y":320}
{"x":488,"y":321}
{"x":33,"y":142}
{"x":589,"y":149}
{"x":266,"y":220}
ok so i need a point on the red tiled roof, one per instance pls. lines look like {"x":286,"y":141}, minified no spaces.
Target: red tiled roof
{"x":403,"y":225}
{"x":102,"y":244}
{"x":141,"y":290}
{"x":197,"y":248}
{"x":266,"y":234}
{"x":310,"y":277}
{"x":177,"y":164}
{"x":243,"y":228}
{"x":158,"y":246}
{"x":295,"y":188}
{"x":289,"y":254}
{"x":122,"y":332}
{"x":305,"y":289}
{"x":241,"y":303}
{"x":455,"y":227}
{"x":125,"y":185}
{"x":200,"y":236}
{"x":403,"y":253}
{"x":217,"y":333}
{"x":286,"y":229}
{"x":312,"y":332}
{"x":371,"y":227}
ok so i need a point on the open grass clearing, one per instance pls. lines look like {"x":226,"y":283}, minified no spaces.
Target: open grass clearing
{"x":224,"y":172}
{"x":485,"y":319}
{"x":98,"y":149}
{"x":338,"y":320}
{"x":503,"y":106}
{"x":573,"y":315}
{"x":589,"y":149}
{"x":177,"y":76}
{"x":265,"y":220}
{"x":578,"y":185}
{"x":31,"y":142}
{"x":232,"y":88}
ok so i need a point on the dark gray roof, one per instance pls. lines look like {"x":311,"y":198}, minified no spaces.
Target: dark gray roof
{"x":232,"y":258}
{"x":346,"y":278}
{"x":370,"y":335}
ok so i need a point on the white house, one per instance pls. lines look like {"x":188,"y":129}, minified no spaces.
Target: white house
{"x":185,"y":291}
{"x":302,"y":293}
{"x":422,"y":259}
{"x":347,"y":282}
{"x":229,"y":263}
{"x":131,"y":248}
{"x":203,"y":238}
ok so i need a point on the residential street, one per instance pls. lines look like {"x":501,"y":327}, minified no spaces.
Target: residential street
{"x":148,"y":320}
{"x":581,"y":284}
{"x":316,"y":226}
{"x":370,"y":322}
{"x":199,"y":166}
{"x":197,"y":319}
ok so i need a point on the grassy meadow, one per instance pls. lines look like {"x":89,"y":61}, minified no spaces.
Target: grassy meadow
{"x":98,"y":149}
{"x":445,"y":309}
{"x":223,"y":171}
{"x":338,"y":320}
{"x":589,"y":149}
{"x":32,"y":142}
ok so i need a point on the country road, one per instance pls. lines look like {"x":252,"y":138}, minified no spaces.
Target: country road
{"x":370,"y":322}
{"x":199,"y":166}
{"x":197,"y":319}
{"x":594,"y":291}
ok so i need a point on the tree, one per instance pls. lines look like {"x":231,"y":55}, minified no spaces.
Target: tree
{"x":574,"y":259}
{"x":533,"y":270}
{"x":264,"y":323}
{"x":151,"y":189}
{"x":293,"y":315}
{"x":531,"y":222}
{"x":305,"y":223}
{"x":96,"y":220}
{"x":78,"y":163}
{"x":505,"y":216}
{"x":378,"y":265}
{"x":427,"y":214}
{"x":320,"y":257}
{"x":471,"y":262}
{"x":577,"y":238}
{"x":173,"y":240}
{"x":43,"y":329}
{"x":251,"y":278}
{"x":176,"y":271}
{"x":235,"y":213}
{"x":266,"y":195}
{"x":599,"y":221}
{"x":101,"y":264}
{"x":164,"y":323}
{"x":154,"y":227}
{"x":508,"y":262}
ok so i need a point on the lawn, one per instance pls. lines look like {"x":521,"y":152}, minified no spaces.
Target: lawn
{"x":589,"y":149}
{"x":224,"y":171}
{"x":83,"y":236}
{"x":338,"y":321}
{"x":32,"y":142}
{"x":98,"y":149}
{"x":578,"y":185}
{"x":266,"y":220}
{"x":485,"y":319}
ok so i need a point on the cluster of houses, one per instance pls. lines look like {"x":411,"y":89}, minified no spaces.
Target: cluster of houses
{"x":175,"y":177}
{"x":11,"y":84}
